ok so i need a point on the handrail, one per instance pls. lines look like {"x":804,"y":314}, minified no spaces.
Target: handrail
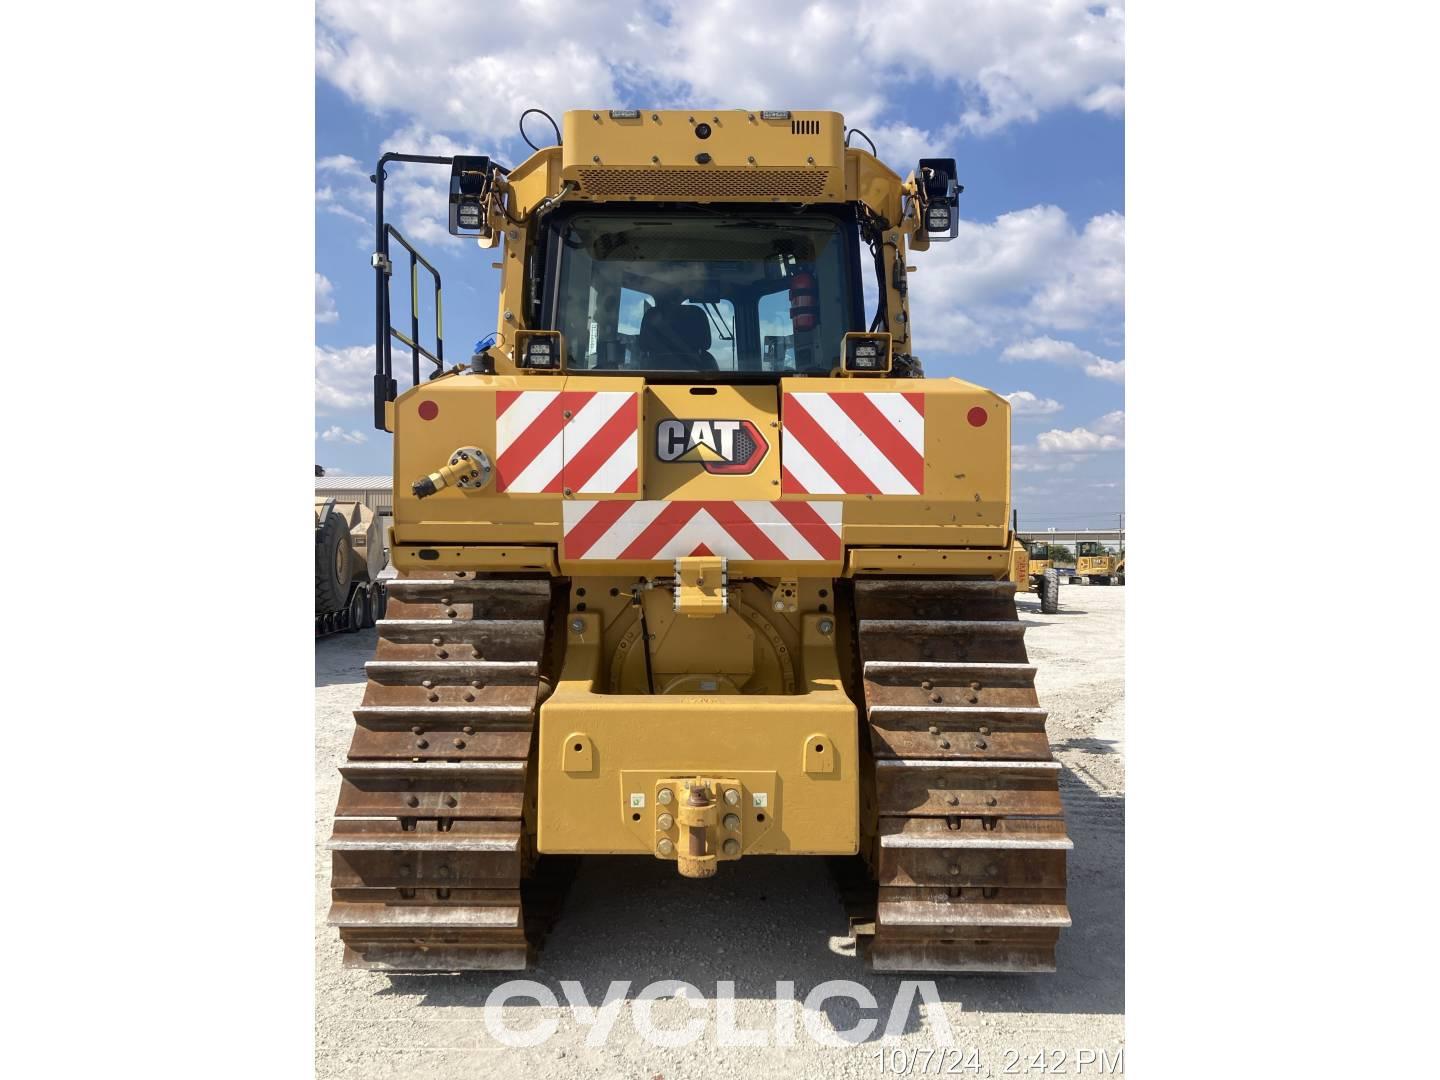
{"x":385,"y":387}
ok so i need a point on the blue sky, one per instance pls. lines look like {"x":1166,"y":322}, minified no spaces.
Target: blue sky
{"x":1028,"y":97}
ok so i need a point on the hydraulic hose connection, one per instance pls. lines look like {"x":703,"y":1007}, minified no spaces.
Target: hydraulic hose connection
{"x":469,"y":469}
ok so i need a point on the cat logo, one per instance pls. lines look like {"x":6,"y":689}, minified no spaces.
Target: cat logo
{"x":726,"y":447}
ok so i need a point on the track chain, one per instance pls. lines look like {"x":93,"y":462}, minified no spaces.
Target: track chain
{"x":433,"y":866}
{"x":971,"y":846}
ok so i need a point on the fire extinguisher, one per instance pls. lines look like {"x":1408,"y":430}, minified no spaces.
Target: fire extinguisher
{"x":804,"y":301}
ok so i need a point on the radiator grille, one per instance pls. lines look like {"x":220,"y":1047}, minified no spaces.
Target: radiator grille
{"x":720,"y":183}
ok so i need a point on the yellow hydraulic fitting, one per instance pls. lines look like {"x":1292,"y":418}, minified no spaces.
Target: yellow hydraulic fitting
{"x":469,"y":469}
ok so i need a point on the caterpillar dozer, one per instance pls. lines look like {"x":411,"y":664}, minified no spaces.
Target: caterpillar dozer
{"x":1044,"y":576}
{"x":695,"y":564}
{"x":1097,"y":564}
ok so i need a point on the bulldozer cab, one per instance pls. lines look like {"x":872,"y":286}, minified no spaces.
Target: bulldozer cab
{"x":708,"y":294}
{"x":1039,"y":551}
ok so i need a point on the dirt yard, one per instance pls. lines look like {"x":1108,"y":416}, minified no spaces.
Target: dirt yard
{"x":760,"y":922}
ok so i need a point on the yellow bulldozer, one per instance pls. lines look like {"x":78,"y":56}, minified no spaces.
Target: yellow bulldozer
{"x":1095,"y":564}
{"x":695,"y":564}
{"x":1044,"y":576}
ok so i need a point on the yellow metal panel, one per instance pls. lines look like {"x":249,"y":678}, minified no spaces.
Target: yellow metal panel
{"x":810,"y":812}
{"x":409,"y":557}
{"x":640,"y":740}
{"x":741,"y":157}
{"x":994,"y":564}
{"x":689,"y":476}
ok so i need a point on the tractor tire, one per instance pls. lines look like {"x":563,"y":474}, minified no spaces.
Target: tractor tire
{"x":332,"y":564}
{"x":358,"y":606}
{"x":1050,"y":592}
{"x":379,"y":598}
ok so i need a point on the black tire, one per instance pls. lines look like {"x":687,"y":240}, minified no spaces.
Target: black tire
{"x":1050,"y":592}
{"x":369,"y":619}
{"x":332,"y":564}
{"x":358,"y":606}
{"x":379,"y":598}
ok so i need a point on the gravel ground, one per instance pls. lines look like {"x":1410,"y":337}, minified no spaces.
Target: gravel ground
{"x":762,"y":922}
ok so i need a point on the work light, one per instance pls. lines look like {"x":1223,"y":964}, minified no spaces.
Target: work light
{"x":867,"y":353}
{"x":939,"y":197}
{"x":538,"y":350}
{"x":469,"y":188}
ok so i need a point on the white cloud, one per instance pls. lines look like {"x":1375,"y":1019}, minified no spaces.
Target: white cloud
{"x":325,"y":310}
{"x":335,"y":433}
{"x":474,"y":67}
{"x":344,"y":377}
{"x":1077,"y":441}
{"x":1053,"y":351}
{"x":1027,"y":271}
{"x":1112,"y":423}
{"x":1024,"y":403}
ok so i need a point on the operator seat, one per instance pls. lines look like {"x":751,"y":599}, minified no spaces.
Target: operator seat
{"x":675,"y":337}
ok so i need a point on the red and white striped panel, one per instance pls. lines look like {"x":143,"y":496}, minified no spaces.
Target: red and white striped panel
{"x":595,"y":451}
{"x":772,"y":531}
{"x":853,"y":444}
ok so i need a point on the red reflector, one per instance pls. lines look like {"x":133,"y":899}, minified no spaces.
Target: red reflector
{"x":977,"y":416}
{"x":429,"y":410}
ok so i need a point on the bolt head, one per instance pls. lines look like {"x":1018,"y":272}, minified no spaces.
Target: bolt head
{"x":731,"y":846}
{"x":422,"y":743}
{"x":666,"y":846}
{"x":732,"y":796}
{"x":665,"y":797}
{"x":732,"y":822}
{"x":451,"y":800}
{"x":826,"y":626}
{"x":427,"y":683}
{"x":459,"y":744}
{"x":665,"y":821}
{"x":412,"y":801}
{"x":577,"y":626}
